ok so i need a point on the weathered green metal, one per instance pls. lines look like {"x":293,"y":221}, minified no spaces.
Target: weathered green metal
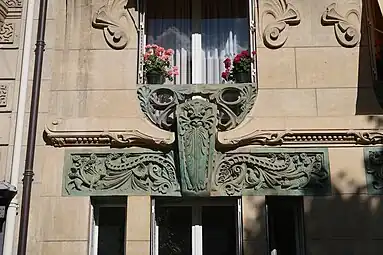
{"x":233,"y":101}
{"x":196,"y":130}
{"x":120,"y":172}
{"x":274,"y":171}
{"x":373,"y":160}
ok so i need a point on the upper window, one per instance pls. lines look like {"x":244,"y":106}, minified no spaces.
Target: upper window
{"x":377,"y":23}
{"x":202,"y":34}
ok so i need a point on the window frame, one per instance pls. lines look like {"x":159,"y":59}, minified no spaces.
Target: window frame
{"x":297,"y":202}
{"x":96,"y":204}
{"x":371,"y":21}
{"x":142,"y":5}
{"x":197,"y":231}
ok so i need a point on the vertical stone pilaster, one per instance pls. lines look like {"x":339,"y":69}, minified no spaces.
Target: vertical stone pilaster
{"x":138,"y":225}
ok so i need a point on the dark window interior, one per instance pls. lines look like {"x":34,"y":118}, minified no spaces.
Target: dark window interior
{"x":285,"y":225}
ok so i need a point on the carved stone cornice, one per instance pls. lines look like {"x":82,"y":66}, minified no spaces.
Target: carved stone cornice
{"x":297,"y":137}
{"x":287,"y":171}
{"x":112,"y":18}
{"x":347,"y":33}
{"x":62,"y":137}
{"x":233,"y":101}
{"x":120,"y":172}
{"x":284,"y":15}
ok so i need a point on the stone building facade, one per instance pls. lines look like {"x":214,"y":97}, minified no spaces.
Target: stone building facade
{"x":289,"y":163}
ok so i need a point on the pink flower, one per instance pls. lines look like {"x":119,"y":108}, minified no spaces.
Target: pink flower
{"x":170,"y":73}
{"x":225,"y":74}
{"x":227,"y":62}
{"x":175,"y":70}
{"x":237,"y":59}
{"x":245,"y":53}
{"x":148,"y":46}
{"x":254,"y":52}
{"x":146,"y":56}
{"x":169,"y":52}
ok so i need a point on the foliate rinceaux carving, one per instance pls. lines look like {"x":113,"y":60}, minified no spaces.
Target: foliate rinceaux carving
{"x":283,"y":15}
{"x":287,"y":137}
{"x":7,"y":33}
{"x":272,"y":173}
{"x":3,"y":95}
{"x":346,"y":27}
{"x":120,"y":173}
{"x":233,"y":102}
{"x":196,"y":126}
{"x":113,"y":18}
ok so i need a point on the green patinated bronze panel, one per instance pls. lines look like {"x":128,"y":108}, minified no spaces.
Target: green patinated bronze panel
{"x":373,"y":160}
{"x":196,"y":129}
{"x":274,"y":171}
{"x":120,"y":172}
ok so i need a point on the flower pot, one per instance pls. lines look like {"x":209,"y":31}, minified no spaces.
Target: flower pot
{"x":242,"y":77}
{"x":155,"y":78}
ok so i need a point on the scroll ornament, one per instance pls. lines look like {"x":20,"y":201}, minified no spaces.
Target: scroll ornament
{"x":279,"y":172}
{"x":285,"y":15}
{"x":121,"y":173}
{"x":113,"y":18}
{"x":347,"y":33}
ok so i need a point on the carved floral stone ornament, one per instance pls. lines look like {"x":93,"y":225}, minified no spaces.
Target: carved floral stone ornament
{"x":283,"y":15}
{"x":373,"y":159}
{"x":346,"y":27}
{"x":113,"y":19}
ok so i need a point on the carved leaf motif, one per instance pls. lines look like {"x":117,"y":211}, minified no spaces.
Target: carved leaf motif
{"x":375,"y":169}
{"x":347,"y":34}
{"x":237,"y":173}
{"x":275,"y":34}
{"x":113,"y":18}
{"x":122,"y":172}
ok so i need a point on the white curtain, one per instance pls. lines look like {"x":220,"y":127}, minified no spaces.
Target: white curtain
{"x":201,"y":32}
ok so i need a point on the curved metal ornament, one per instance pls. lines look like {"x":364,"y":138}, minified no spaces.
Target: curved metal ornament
{"x":233,"y":101}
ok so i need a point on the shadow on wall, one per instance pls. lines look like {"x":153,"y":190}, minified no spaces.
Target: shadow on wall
{"x":341,"y":224}
{"x":369,"y":99}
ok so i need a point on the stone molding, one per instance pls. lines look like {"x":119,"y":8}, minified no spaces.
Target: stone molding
{"x":126,"y":138}
{"x":347,"y":34}
{"x":14,"y":8}
{"x":275,"y":33}
{"x":303,"y":136}
{"x":3,"y":12}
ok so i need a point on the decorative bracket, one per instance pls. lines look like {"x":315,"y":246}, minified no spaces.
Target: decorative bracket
{"x":347,"y":34}
{"x":234,"y":102}
{"x":284,"y":15}
{"x":113,"y":18}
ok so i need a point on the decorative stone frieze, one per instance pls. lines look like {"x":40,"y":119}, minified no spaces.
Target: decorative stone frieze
{"x":120,"y":172}
{"x":373,"y":159}
{"x":347,"y":33}
{"x":7,"y":33}
{"x":289,"y":172}
{"x":14,"y":8}
{"x":196,"y":128}
{"x":284,"y":15}
{"x":233,"y":101}
{"x":294,"y":137}
{"x":113,"y":19}
{"x":3,"y":95}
